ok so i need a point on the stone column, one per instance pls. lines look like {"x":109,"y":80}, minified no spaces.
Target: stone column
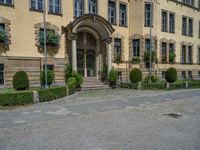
{"x":109,"y":55}
{"x":85,"y":63}
{"x":74,"y":53}
{"x":97,"y":59}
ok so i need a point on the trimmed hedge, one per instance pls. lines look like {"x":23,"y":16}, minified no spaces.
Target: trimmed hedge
{"x":52,"y":93}
{"x":20,"y":81}
{"x":171,"y":75}
{"x":179,"y":85}
{"x":129,"y":85}
{"x":154,"y":86}
{"x":16,"y":98}
{"x":136,"y":75}
{"x":71,"y":82}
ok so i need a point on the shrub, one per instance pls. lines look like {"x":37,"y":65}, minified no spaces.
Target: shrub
{"x":112,"y":77}
{"x":50,"y":78}
{"x":52,"y":93}
{"x":147,"y":56}
{"x":68,"y":72}
{"x":78,"y":77}
{"x":172,"y":57}
{"x":171,"y":75}
{"x":16,"y":98}
{"x":20,"y":81}
{"x":129,"y":85}
{"x":136,"y":75}
{"x":135,"y":59}
{"x":153,"y":79}
{"x":154,"y":86}
{"x":104,"y":72}
{"x":51,"y":39}
{"x":71,"y":82}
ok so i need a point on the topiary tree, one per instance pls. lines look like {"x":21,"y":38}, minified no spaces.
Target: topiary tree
{"x":20,"y":81}
{"x":50,"y":78}
{"x":78,"y":77}
{"x":136,"y":75}
{"x":68,"y":72}
{"x":112,"y":77}
{"x":171,"y":75}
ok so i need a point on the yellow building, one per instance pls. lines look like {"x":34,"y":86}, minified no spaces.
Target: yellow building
{"x":90,"y":33}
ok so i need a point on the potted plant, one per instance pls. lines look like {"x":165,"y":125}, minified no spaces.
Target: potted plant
{"x":135,"y":59}
{"x":112,"y":77}
{"x":172,"y":57}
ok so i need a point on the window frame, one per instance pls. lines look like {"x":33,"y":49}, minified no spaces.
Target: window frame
{"x":184,"y":59}
{"x":190,"y":28}
{"x":2,"y":71}
{"x":148,"y":23}
{"x":81,"y":11}
{"x":54,"y":7}
{"x":166,"y":21}
{"x":190,"y":51}
{"x":173,"y":24}
{"x":36,"y":7}
{"x":114,"y":11}
{"x":7,"y":4}
{"x":125,"y":15}
{"x":164,"y":55}
{"x":184,"y":30}
{"x":117,"y":48}
{"x":89,"y":7}
{"x":137,"y":50}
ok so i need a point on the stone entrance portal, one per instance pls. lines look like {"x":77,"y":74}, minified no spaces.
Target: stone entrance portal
{"x":90,"y":44}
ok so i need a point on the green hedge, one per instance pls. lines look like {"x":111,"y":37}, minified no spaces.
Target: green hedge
{"x":153,"y":86}
{"x":129,"y":85}
{"x":71,"y":83}
{"x":16,"y":98}
{"x":52,"y":93}
{"x":178,"y":85}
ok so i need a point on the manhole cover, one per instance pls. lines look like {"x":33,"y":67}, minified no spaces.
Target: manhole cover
{"x":173,"y":115}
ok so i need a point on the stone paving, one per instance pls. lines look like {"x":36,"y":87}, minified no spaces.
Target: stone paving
{"x":106,"y":120}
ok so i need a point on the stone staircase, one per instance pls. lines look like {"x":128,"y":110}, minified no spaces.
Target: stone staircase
{"x":91,"y":83}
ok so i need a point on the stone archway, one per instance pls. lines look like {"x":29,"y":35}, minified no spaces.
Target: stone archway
{"x":101,"y":30}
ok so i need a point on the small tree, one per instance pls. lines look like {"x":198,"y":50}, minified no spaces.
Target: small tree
{"x":171,"y":75}
{"x":50,"y":78}
{"x":112,"y":77}
{"x":136,"y":75}
{"x":104,"y":72}
{"x":68,"y":72}
{"x":20,"y":81}
{"x":78,"y":77}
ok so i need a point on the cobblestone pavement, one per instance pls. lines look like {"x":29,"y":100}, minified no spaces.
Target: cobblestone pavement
{"x":106,"y":120}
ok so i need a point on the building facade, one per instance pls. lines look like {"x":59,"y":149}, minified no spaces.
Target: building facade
{"x":90,"y":33}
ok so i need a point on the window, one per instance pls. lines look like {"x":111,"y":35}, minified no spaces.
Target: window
{"x":2,"y":27}
{"x":1,"y":74}
{"x":79,"y":8}
{"x":112,"y":12}
{"x":136,"y":48}
{"x":199,"y":55}
{"x":42,"y":34}
{"x":190,"y":77}
{"x":190,"y":54}
{"x":37,"y":5}
{"x":184,"y":26}
{"x":55,"y":6}
{"x":49,"y":67}
{"x":147,"y":44}
{"x":190,"y":27}
{"x":122,"y":15}
{"x":199,"y":29}
{"x":163,"y":74}
{"x":164,"y":21}
{"x":93,"y":6}
{"x":8,"y":2}
{"x":147,"y":19}
{"x":188,"y":2}
{"x":183,"y":75}
{"x":117,"y":51}
{"x":171,"y":48}
{"x":183,"y":54}
{"x":119,"y":75}
{"x":164,"y":52}
{"x":171,"y":23}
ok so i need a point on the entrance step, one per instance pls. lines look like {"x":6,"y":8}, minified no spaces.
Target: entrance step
{"x":91,"y":83}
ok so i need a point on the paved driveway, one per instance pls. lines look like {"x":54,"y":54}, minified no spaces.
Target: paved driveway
{"x":106,"y":120}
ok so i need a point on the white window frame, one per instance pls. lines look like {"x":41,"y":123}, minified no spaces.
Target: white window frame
{"x":110,"y":9}
{"x":5,"y":2}
{"x":124,"y":16}
{"x":77,"y":8}
{"x":91,"y":6}
{"x":54,"y":6}
{"x":36,"y":5}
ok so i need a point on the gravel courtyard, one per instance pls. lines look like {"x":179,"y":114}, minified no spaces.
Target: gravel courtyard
{"x":106,"y":120}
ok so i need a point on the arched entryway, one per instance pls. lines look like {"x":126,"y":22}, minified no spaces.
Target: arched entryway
{"x":89,"y":39}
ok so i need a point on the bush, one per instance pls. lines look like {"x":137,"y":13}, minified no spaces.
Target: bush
{"x":104,"y":73}
{"x":153,"y":79}
{"x":52,"y":93}
{"x":154,"y":86}
{"x":171,"y":75}
{"x":79,"y":79}
{"x":20,"y":81}
{"x":136,"y":75}
{"x":68,"y":72}
{"x":71,"y":82}
{"x":147,"y":56}
{"x":112,"y":77}
{"x":3,"y":37}
{"x":129,"y":85}
{"x":50,"y":78}
{"x":172,"y":57}
{"x":51,"y":39}
{"x":16,"y":98}
{"x":136,"y":59}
